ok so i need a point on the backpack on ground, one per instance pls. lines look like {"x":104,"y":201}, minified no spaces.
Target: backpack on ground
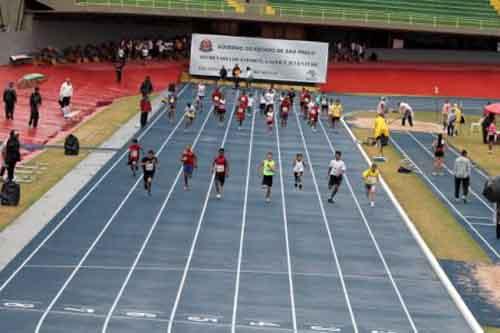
{"x":71,"y":145}
{"x":10,"y":194}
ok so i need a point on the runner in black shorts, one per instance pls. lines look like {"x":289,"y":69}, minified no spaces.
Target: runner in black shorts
{"x":336,"y":171}
{"x":220,"y":167}
{"x":149,"y":164}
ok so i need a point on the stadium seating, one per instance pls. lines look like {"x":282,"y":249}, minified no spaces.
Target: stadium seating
{"x":202,"y":5}
{"x":454,"y":13}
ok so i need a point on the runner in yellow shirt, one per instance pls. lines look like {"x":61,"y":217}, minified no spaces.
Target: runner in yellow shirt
{"x":268,"y":169}
{"x":336,"y":110}
{"x":371,"y":177}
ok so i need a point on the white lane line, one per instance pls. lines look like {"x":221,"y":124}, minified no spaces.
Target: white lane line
{"x":374,"y":240}
{"x":487,"y":205}
{"x":150,"y":233}
{"x":479,"y":218}
{"x":198,"y":228}
{"x":452,"y":206}
{"x":285,"y":224}
{"x":327,"y":226}
{"x":99,"y":236}
{"x":243,"y":226}
{"x":484,"y":224}
{"x":79,"y":203}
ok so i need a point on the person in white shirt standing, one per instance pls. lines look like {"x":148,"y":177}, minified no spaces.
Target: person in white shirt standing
{"x":336,"y":171}
{"x":382,"y":106}
{"x":65,"y":95}
{"x":406,"y":113}
{"x":462,"y":170}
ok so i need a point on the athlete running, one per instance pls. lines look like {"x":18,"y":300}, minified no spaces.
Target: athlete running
{"x":149,"y":165}
{"x":370,"y":177}
{"x":240,"y":116}
{"x":200,"y":96}
{"x":284,"y":111}
{"x":270,"y":118}
{"x":220,"y":168}
{"x":170,"y":102}
{"x":299,"y":166}
{"x":268,"y":169}
{"x":251,"y":100}
{"x":313,"y":116}
{"x":190,"y":115}
{"x":189,"y":163}
{"x":336,"y":110}
{"x":336,"y":171}
{"x":134,"y":153}
{"x":221,"y":110}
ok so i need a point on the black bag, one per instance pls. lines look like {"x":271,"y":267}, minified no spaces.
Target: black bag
{"x":11,"y":194}
{"x":403,"y":169}
{"x":492,"y":189}
{"x":71,"y":145}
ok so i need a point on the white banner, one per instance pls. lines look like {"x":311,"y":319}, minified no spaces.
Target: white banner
{"x":269,"y":59}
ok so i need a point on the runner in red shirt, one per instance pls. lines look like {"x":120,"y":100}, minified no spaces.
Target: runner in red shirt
{"x":240,"y":116}
{"x":270,"y":118}
{"x":189,"y":163}
{"x":284,"y":110}
{"x":145,"y":110}
{"x":244,"y":101}
{"x":221,"y":110}
{"x":216,"y":97}
{"x":134,"y":154}
{"x":220,"y":168}
{"x":313,"y":116}
{"x":306,"y":99}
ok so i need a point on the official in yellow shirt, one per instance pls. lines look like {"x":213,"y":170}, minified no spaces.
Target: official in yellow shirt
{"x":381,"y":133}
{"x":336,"y":110}
{"x":458,"y":122}
{"x":371,"y":177}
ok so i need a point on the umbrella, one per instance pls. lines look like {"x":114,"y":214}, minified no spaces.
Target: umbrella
{"x":493,"y":108}
{"x":31,"y":80}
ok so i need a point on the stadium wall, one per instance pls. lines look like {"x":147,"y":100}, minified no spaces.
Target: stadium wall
{"x":63,"y":33}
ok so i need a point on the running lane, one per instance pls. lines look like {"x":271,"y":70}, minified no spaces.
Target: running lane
{"x":263,"y":293}
{"x":149,"y":292}
{"x":34,"y":277}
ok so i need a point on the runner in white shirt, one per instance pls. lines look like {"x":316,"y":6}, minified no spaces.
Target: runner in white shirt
{"x":269,"y":97}
{"x":200,"y":96}
{"x":336,"y":171}
{"x":250,"y":105}
{"x":262,"y":103}
{"x":406,"y":113}
{"x":299,"y":166}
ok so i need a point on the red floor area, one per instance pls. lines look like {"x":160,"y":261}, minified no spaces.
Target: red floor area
{"x":94,"y":84}
{"x":415,"y":79}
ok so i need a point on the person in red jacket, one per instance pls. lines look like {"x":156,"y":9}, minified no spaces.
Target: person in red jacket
{"x":284,"y":111}
{"x":189,"y":163}
{"x":145,"y":110}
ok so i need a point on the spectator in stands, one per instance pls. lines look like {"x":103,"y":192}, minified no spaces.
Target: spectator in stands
{"x":462,"y":170}
{"x":119,"y":65}
{"x":249,"y":77}
{"x":223,"y":73}
{"x":145,"y":110}
{"x":236,"y":76}
{"x":146,"y":87}
{"x":10,"y":100}
{"x":12,"y":154}
{"x":65,"y":95}
{"x":35,"y":103}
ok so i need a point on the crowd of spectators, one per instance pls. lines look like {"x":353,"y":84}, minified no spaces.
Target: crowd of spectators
{"x":350,"y":52}
{"x":130,"y":49}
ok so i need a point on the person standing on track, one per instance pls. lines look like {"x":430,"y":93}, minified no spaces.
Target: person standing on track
{"x":268,"y":169}
{"x":149,"y":165}
{"x":381,"y":133}
{"x":462,"y":170}
{"x":445,"y":111}
{"x":35,"y":104}
{"x":452,"y":119}
{"x":9,"y":100}
{"x":371,"y":177}
{"x":146,"y":108}
{"x":189,"y":163}
{"x":299,"y":166}
{"x":492,"y":135}
{"x":336,"y":170}
{"x":382,"y":106}
{"x":220,"y":169}
{"x":406,"y":112}
{"x":439,"y":146}
{"x":134,"y":153}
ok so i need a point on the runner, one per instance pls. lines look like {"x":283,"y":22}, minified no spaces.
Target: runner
{"x":299,"y":165}
{"x":370,"y":177}
{"x":336,"y":171}
{"x":190,"y":114}
{"x":305,"y":100}
{"x":149,"y":164}
{"x":244,"y":100}
{"x":250,"y":105}
{"x":262,"y":103}
{"x":240,"y":116}
{"x":216,"y":96}
{"x":313,"y":115}
{"x":189,"y":163}
{"x":284,"y":111}
{"x":439,"y":146}
{"x":291,"y":96}
{"x":134,"y":152}
{"x":270,"y":118}
{"x":170,"y":102}
{"x":336,"y":110}
{"x":221,"y":110}
{"x":268,"y":169}
{"x":269,"y":97}
{"x":200,"y":96}
{"x":324,"y":104}
{"x":220,"y":167}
